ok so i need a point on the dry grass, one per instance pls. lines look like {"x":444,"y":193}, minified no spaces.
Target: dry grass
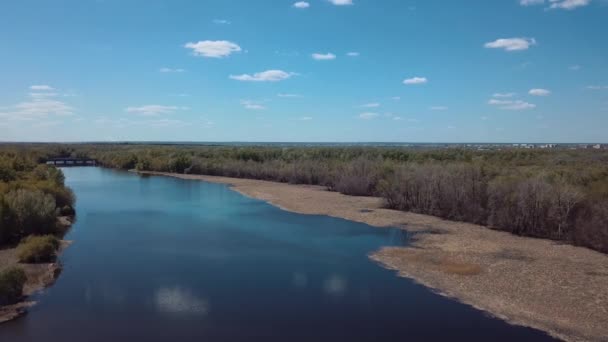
{"x":460,"y":268}
{"x":434,"y":263}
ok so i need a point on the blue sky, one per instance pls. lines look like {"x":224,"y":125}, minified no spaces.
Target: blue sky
{"x":318,"y":70}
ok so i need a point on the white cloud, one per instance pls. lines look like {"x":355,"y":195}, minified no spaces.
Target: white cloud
{"x":597,"y":87}
{"x":511,"y":44}
{"x":221,"y":21}
{"x":264,"y":76}
{"x":43,"y":107}
{"x":575,"y":67}
{"x":153,"y":110}
{"x":568,"y":4}
{"x":396,"y":98}
{"x":393,"y":116}
{"x":511,"y":104}
{"x":342,"y":2}
{"x":301,"y":4}
{"x":371,"y":105}
{"x":166,"y":122}
{"x":125,"y":122}
{"x":43,"y":95}
{"x":531,"y":2}
{"x":213,"y":48}
{"x":539,"y":92}
{"x":41,"y":87}
{"x":439,"y":108}
{"x":252,"y":105}
{"x":519,"y":105}
{"x":499,"y":102}
{"x":323,"y":56}
{"x":352,"y":54}
{"x":368,"y":115}
{"x":171,"y":70}
{"x":289,"y":95}
{"x":415,"y":80}
{"x":39,"y":106}
{"x":46,"y":124}
{"x":503,"y":95}
{"x":304,"y":118}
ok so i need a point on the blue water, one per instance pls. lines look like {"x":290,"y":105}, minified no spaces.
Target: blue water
{"x":163,"y":259}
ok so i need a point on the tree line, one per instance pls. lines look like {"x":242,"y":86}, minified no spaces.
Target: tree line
{"x":557,"y":194}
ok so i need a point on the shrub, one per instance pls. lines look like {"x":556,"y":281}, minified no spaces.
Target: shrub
{"x":11,"y":285}
{"x":359,"y":178}
{"x":591,"y":229}
{"x":33,"y":211}
{"x":7,"y":173}
{"x":34,"y":249}
{"x":63,"y":195}
{"x":181,"y":163}
{"x":5,"y":228}
{"x":49,"y":173}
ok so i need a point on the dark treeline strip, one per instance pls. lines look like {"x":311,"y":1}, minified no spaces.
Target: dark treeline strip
{"x":557,"y":194}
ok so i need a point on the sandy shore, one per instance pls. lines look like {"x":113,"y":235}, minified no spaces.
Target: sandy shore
{"x":39,"y":277}
{"x":557,"y":288}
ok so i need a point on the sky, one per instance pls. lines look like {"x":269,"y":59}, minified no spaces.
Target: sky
{"x":304,"y":71}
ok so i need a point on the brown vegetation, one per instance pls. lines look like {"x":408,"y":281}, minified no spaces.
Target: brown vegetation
{"x":36,"y":249}
{"x":559,"y":194}
{"x":11,"y":285}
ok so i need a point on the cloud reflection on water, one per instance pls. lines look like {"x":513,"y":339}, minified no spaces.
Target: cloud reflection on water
{"x":335,"y":284}
{"x":176,"y":300}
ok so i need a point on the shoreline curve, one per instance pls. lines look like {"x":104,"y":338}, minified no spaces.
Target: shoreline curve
{"x":557,"y":288}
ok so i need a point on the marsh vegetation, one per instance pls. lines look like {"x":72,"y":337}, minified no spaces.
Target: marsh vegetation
{"x":558,"y":194}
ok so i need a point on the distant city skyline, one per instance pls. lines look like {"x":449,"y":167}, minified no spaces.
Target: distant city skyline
{"x":526,"y":71}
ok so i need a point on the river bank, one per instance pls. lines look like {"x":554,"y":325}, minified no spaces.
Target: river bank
{"x":39,"y":276}
{"x":557,"y":288}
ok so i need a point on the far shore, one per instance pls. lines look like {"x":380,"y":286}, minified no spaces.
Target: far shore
{"x":39,"y":276}
{"x":547,"y":285}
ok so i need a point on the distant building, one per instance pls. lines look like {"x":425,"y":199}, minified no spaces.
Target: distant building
{"x":597,"y":146}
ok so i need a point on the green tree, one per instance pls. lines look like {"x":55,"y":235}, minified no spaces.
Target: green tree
{"x":7,"y":173}
{"x":33,"y":211}
{"x":49,"y":173}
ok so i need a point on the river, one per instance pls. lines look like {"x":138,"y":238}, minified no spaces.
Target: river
{"x":164,"y":259}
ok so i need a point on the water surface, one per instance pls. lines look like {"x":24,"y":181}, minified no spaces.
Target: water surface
{"x":158,"y":259}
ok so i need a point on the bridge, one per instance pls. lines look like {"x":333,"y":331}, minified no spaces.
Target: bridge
{"x":71,"y":162}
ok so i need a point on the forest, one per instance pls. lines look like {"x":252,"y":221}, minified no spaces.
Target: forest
{"x":32,"y":196}
{"x":559,"y":194}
